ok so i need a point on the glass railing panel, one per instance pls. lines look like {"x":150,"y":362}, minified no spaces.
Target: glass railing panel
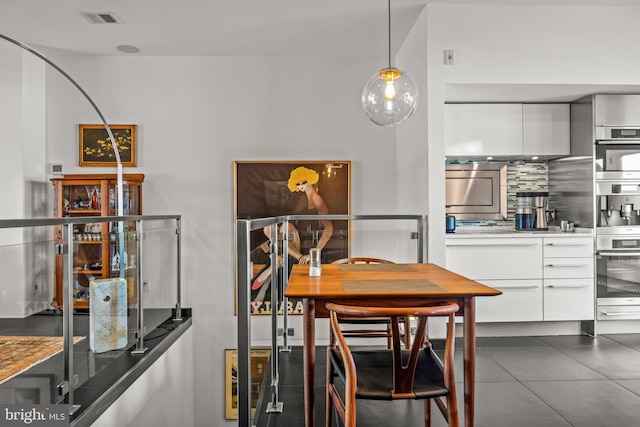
{"x":159,"y":270}
{"x":394,"y":240}
{"x":30,"y":335}
{"x":62,"y":263}
{"x":92,"y":265}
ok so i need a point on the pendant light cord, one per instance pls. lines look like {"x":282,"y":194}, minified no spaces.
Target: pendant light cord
{"x":389,"y":27}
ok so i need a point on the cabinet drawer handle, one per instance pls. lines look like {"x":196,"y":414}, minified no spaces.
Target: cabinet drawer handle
{"x":566,"y":286}
{"x":492,"y":244}
{"x":566,"y":244}
{"x":566,"y":265}
{"x":516,"y":287}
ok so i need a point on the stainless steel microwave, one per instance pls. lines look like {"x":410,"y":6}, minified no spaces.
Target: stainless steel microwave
{"x":617,"y":161}
{"x":476,"y":191}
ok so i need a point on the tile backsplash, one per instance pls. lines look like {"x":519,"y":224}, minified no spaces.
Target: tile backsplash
{"x":521,"y":176}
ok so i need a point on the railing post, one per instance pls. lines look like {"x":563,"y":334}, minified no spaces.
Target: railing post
{"x":140,"y":348}
{"x":274,"y":405}
{"x":67,"y":318}
{"x":178,"y":315}
{"x":285,"y":280}
{"x":244,"y":322}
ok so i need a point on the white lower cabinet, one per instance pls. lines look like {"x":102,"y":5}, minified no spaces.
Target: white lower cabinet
{"x":511,"y":265}
{"x":568,"y":278}
{"x":568,"y":268}
{"x":495,"y":258}
{"x":568,"y":299}
{"x":541,"y":278}
{"x":521,"y":301}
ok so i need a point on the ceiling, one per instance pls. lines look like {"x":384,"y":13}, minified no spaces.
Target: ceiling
{"x":329,"y":28}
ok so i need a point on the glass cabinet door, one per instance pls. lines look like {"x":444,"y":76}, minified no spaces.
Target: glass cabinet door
{"x":81,"y":199}
{"x":130,"y":197}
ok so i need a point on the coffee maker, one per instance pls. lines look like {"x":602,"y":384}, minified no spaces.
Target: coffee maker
{"x":531,"y":210}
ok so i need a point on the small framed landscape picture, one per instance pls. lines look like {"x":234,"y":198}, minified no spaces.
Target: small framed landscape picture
{"x":96,"y":148}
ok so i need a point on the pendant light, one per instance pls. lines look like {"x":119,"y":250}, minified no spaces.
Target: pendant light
{"x":391,"y":96}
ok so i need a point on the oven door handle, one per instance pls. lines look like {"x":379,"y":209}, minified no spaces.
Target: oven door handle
{"x":620,"y":313}
{"x":619,"y":141}
{"x":618,"y":253}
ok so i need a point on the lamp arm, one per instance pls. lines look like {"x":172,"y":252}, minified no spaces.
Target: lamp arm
{"x":93,"y":104}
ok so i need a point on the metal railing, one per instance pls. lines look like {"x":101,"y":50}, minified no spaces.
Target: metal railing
{"x":277,"y":246}
{"x":57,"y":237}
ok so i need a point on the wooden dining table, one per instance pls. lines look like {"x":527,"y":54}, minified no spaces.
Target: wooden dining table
{"x":384,"y":285}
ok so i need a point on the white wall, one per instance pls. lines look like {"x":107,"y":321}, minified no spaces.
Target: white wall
{"x":537,"y":44}
{"x":162,"y":396}
{"x":196,"y":116}
{"x":417,"y":181}
{"x":22,"y":173}
{"x":11,"y":130}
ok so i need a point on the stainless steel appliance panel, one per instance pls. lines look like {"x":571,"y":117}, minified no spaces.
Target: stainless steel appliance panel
{"x":582,"y":128}
{"x":571,"y":190}
{"x":617,"y":110}
{"x":618,"y":134}
{"x":628,"y":311}
{"x":476,"y":191}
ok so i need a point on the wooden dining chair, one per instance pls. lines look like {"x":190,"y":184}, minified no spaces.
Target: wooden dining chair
{"x":383,"y":331}
{"x":390,"y":374}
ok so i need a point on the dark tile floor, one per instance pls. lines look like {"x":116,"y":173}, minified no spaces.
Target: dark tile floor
{"x":557,"y":381}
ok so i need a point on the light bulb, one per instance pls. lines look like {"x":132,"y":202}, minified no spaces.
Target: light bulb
{"x":390,"y":97}
{"x":390,"y":90}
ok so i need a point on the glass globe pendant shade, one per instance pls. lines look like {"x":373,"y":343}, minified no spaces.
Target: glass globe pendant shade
{"x":390,"y":97}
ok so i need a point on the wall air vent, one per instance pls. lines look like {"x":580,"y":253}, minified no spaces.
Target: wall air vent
{"x":102,"y":18}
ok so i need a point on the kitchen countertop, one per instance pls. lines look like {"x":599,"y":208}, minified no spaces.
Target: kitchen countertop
{"x":502,"y":231}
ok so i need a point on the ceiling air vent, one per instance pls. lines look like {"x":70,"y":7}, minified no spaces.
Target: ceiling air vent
{"x":102,"y":18}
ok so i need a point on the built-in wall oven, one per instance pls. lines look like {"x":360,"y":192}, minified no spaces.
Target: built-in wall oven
{"x":618,"y":273}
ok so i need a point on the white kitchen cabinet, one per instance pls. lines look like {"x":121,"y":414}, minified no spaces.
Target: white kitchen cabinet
{"x":568,"y":247}
{"x":546,"y":129}
{"x":567,"y":268}
{"x":507,"y":130}
{"x":483,"y":129}
{"x":541,"y":278}
{"x":568,"y":299}
{"x":521,"y":301}
{"x":512,"y":265}
{"x":495,"y":258}
{"x":568,"y":278}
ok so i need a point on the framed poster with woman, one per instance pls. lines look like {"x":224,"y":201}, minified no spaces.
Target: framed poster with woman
{"x":305,"y":187}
